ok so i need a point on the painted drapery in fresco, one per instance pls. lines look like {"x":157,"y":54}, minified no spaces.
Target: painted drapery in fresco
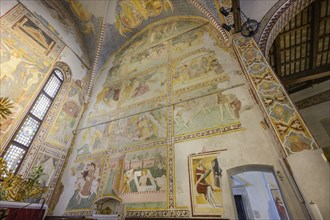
{"x":205,"y":185}
{"x":87,"y":176}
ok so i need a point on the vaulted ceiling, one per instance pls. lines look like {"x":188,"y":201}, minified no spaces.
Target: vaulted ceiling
{"x":299,"y":54}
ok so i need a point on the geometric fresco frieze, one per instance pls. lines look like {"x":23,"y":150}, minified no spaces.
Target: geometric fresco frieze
{"x":293,"y":135}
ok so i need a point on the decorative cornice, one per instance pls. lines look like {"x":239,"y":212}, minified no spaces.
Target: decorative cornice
{"x":278,"y":20}
{"x":313,"y":100}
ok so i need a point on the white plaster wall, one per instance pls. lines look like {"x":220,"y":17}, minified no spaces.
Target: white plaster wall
{"x":312,"y":175}
{"x":6,"y":5}
{"x":79,"y":70}
{"x":310,"y":91}
{"x":314,"y":114}
{"x":256,"y":9}
{"x":254,"y":145}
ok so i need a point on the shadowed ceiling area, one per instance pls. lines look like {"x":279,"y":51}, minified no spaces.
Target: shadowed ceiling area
{"x":300,"y":53}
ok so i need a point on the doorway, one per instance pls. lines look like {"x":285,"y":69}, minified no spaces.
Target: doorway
{"x":257,"y":196}
{"x":240,"y":207}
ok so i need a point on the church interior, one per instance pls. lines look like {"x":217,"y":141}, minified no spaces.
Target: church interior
{"x":165,"y":109}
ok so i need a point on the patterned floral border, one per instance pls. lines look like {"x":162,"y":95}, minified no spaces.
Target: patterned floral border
{"x":209,"y":132}
{"x":174,"y":213}
{"x":289,"y":127}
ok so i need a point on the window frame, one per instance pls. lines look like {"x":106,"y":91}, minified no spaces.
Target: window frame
{"x":29,"y":114}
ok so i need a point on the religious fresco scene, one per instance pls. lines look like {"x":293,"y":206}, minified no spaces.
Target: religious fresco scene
{"x":158,"y":109}
{"x":28,"y":51}
{"x":58,"y":20}
{"x":67,"y":119}
{"x":87,"y":174}
{"x":124,"y":119}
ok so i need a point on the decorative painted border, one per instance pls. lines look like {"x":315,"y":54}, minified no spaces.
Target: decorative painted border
{"x":173,"y":213}
{"x":78,"y":213}
{"x":209,"y":132}
{"x":95,"y":62}
{"x":281,"y":112}
{"x":267,"y":17}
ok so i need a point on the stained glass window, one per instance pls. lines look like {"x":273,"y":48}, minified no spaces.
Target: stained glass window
{"x":59,"y":74}
{"x":13,"y":156}
{"x":41,"y":106}
{"x":27,"y":131}
{"x":21,"y":141}
{"x":52,"y":86}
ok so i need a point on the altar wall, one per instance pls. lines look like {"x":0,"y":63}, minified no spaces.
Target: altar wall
{"x":174,"y":91}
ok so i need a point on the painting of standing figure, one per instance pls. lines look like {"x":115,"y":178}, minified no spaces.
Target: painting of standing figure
{"x":114,"y":172}
{"x":205,"y":184}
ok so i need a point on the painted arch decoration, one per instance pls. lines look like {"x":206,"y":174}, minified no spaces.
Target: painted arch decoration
{"x":131,"y":13}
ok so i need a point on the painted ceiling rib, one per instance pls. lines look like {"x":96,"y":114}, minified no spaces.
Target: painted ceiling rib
{"x":96,"y":61}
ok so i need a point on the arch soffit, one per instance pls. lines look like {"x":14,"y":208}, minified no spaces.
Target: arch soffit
{"x":250,"y":167}
{"x":276,"y":19}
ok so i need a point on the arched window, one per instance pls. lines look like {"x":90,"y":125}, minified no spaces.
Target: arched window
{"x":21,"y":141}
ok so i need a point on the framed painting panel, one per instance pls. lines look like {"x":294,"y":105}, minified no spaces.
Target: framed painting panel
{"x":205,"y":185}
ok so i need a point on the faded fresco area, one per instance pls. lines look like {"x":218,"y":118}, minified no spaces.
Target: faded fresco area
{"x":211,"y":111}
{"x":138,"y":128}
{"x":87,"y":176}
{"x":113,"y":177}
{"x":28,"y":52}
{"x":93,"y":139}
{"x":131,"y":13}
{"x":172,"y":82}
{"x":58,"y":19}
{"x":145,"y":175}
{"x":61,"y":132}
